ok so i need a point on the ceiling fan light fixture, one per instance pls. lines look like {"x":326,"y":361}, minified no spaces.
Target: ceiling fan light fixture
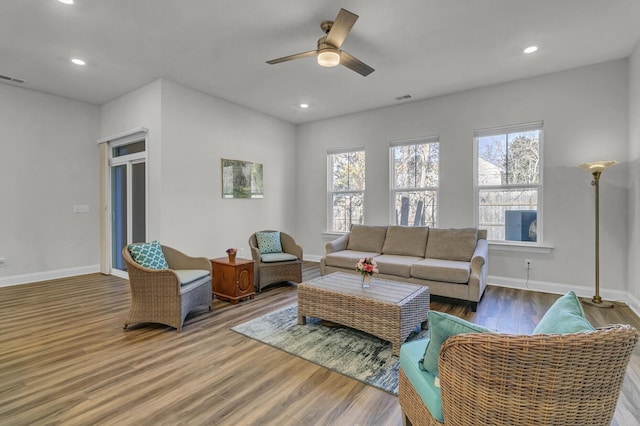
{"x":328,"y":58}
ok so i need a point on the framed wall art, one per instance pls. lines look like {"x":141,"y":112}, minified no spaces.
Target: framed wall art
{"x":241,"y":179}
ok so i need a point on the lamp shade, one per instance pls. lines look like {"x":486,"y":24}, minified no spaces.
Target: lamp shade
{"x":597,"y":166}
{"x":328,"y":58}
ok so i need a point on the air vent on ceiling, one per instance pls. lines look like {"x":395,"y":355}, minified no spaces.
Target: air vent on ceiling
{"x":11,"y":79}
{"x":402,"y":98}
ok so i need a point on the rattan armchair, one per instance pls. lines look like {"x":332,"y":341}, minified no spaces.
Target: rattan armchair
{"x":157,"y":296}
{"x":499,"y":379}
{"x":270,"y":273}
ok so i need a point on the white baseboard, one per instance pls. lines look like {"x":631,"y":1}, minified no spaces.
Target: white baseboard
{"x":48,"y":275}
{"x":560,"y":288}
{"x":312,"y":257}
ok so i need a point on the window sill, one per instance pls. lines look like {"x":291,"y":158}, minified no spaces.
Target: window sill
{"x":519,"y":247}
{"x":332,"y":234}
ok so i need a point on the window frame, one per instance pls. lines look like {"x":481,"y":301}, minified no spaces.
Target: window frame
{"x":539,"y":186}
{"x":433,"y":139}
{"x":330,"y":190}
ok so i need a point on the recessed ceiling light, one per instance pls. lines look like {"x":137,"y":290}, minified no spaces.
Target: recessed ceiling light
{"x":66,"y":1}
{"x":530,"y":49}
{"x":78,"y":61}
{"x":304,"y":105}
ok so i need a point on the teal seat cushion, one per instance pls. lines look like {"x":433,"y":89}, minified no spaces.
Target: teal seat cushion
{"x":564,"y":316}
{"x":442,"y":326}
{"x":187,"y":276}
{"x":149,"y":255}
{"x":269,"y":242}
{"x":423,"y":381}
{"x":277,"y":257}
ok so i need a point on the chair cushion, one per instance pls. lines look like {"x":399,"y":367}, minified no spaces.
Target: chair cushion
{"x":452,"y":244}
{"x":277,"y":257}
{"x":423,"y":381}
{"x":269,"y":242}
{"x":367,"y":238}
{"x":564,"y":316}
{"x":406,"y":241}
{"x":187,"y":276}
{"x":149,"y":255}
{"x":451,"y":271}
{"x":442,"y":326}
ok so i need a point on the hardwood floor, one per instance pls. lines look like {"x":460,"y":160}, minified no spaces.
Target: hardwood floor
{"x":65,"y":359}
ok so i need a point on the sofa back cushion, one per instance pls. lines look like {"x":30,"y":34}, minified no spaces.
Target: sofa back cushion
{"x":367,"y":238}
{"x":406,"y":241}
{"x":452,"y":244}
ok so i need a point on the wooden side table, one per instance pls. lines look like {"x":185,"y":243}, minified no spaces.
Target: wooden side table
{"x":232,"y":281}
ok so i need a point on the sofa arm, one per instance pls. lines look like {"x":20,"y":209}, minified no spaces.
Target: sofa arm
{"x":338,"y":244}
{"x":480,"y":255}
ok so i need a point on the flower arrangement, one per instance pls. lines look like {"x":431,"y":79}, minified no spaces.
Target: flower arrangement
{"x":232,"y":250}
{"x":367,"y":266}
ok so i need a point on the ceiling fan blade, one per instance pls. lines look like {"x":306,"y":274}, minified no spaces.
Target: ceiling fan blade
{"x":341,"y":27}
{"x":292,"y":57}
{"x":355,"y":64}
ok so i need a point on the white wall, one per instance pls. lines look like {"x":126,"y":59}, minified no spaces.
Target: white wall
{"x":189,"y":133}
{"x":198,"y":130}
{"x":48,"y":164}
{"x":585,"y":114}
{"x":634,"y":173}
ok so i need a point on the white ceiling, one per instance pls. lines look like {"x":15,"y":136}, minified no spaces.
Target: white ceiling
{"x":422,"y":48}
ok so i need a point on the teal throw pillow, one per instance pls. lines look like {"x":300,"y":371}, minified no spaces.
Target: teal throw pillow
{"x":564,"y":316}
{"x":269,"y":242}
{"x":442,"y":326}
{"x":149,"y":255}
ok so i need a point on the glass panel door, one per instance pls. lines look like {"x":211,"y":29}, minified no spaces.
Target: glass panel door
{"x":118,"y":215}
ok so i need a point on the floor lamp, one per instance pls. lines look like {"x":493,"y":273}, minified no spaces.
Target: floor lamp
{"x":596,"y":168}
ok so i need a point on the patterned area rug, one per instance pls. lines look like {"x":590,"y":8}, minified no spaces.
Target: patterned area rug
{"x":344,"y":350}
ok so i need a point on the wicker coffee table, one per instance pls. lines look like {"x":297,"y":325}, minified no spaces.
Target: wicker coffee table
{"x":389,"y":310}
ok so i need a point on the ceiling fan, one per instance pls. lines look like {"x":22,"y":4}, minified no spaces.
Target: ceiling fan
{"x":328,"y":52}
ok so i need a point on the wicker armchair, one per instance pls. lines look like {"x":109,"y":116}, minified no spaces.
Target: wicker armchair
{"x":275,"y":272}
{"x":498,"y":379}
{"x":157,"y":295}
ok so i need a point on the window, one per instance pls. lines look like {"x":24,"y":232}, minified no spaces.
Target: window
{"x":346,"y":188}
{"x":414,"y":182}
{"x":509,"y":182}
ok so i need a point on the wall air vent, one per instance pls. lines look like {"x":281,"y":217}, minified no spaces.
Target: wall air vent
{"x":11,"y":79}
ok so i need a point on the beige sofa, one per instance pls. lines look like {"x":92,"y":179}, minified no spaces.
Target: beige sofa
{"x":451,"y":262}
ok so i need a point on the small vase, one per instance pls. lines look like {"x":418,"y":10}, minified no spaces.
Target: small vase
{"x":232,"y":257}
{"x":366,"y":281}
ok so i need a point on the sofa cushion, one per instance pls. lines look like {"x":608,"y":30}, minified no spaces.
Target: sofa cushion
{"x":367,"y":238}
{"x":451,"y":271}
{"x":452,"y":244}
{"x":406,"y":241}
{"x":422,"y":381}
{"x":442,"y":326}
{"x":392,"y":264}
{"x":564,"y":316}
{"x":277,"y":257}
{"x":268,"y":242}
{"x":187,"y":276}
{"x":347,"y":258}
{"x":148,"y":255}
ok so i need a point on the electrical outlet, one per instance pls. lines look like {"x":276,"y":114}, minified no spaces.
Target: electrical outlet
{"x":528,"y":264}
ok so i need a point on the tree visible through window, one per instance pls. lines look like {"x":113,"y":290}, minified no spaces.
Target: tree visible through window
{"x":509,"y":184}
{"x":414,"y":189}
{"x":346,"y":188}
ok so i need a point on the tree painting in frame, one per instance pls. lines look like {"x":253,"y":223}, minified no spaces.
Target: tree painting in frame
{"x":241,"y":179}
